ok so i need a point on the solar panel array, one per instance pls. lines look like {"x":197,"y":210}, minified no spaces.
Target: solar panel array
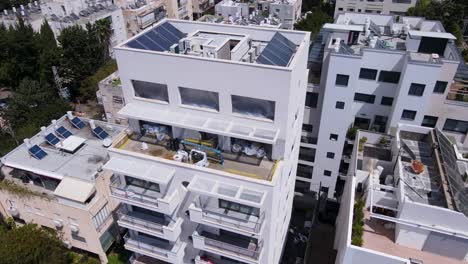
{"x":52,"y":139}
{"x":37,"y":152}
{"x":76,"y":121}
{"x":63,"y":132}
{"x":160,"y":38}
{"x":100,"y":133}
{"x":278,"y":51}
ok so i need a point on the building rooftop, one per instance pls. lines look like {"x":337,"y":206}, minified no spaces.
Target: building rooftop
{"x":218,"y":41}
{"x":80,"y":156}
{"x":252,"y":20}
{"x":419,"y":37}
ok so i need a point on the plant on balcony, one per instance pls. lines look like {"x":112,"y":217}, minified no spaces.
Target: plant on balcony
{"x":417,"y":166}
{"x":362,"y":141}
{"x":351,"y":133}
{"x":21,"y":191}
{"x":358,"y":223}
{"x":383,"y":141}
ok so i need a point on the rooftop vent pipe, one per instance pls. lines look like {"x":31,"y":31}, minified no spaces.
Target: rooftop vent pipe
{"x":69,"y":115}
{"x":44,"y":131}
{"x":337,"y":44}
{"x":27,"y":143}
{"x":54,"y":122}
{"x":92,"y":124}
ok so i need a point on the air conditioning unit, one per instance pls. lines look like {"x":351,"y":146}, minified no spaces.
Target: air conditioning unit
{"x":58,"y":223}
{"x":74,"y":228}
{"x":13,"y":211}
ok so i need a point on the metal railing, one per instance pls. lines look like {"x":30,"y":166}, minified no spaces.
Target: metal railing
{"x":309,"y":140}
{"x":120,"y":190}
{"x":130,"y":241}
{"x":125,"y":217}
{"x":210,"y":215}
{"x":250,"y":253}
{"x":458,"y":96}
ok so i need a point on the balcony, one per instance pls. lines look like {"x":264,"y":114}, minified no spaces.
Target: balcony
{"x":458,"y":95}
{"x":155,"y":248}
{"x":206,"y":259}
{"x":234,"y":247}
{"x":209,"y":213}
{"x":309,"y":140}
{"x":162,"y":227}
{"x":145,"y":198}
{"x":142,"y":259}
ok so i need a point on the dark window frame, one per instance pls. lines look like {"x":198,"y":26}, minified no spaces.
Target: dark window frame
{"x":429,"y":121}
{"x":340,"y":105}
{"x":440,"y":87}
{"x":342,"y":80}
{"x":142,"y":89}
{"x":368,"y":74}
{"x":454,"y":128}
{"x":386,"y":100}
{"x":408,"y":112}
{"x":416,"y":89}
{"x":364,"y":98}
{"x":389,"y":76}
{"x":311,"y":100}
{"x":327,"y":173}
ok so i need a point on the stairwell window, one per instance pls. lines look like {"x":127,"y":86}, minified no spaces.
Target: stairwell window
{"x":150,"y":90}
{"x":199,"y":98}
{"x":253,"y":107}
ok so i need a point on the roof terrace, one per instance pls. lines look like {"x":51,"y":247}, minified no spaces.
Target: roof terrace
{"x":219,"y":41}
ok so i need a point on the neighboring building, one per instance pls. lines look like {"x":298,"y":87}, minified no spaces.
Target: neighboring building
{"x":205,"y":172}
{"x":65,"y":13}
{"x":376,"y":72}
{"x":31,"y":14}
{"x":201,"y":6}
{"x":57,"y":182}
{"x":141,"y":14}
{"x":110,"y":96}
{"x":253,"y":21}
{"x":409,"y":218}
{"x":287,"y":12}
{"x":392,"y":7}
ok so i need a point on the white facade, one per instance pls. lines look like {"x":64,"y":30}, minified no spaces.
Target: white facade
{"x":238,"y":204}
{"x":66,"y":188}
{"x":395,"y":7}
{"x":110,"y":96}
{"x":405,"y":219}
{"x":374,"y":79}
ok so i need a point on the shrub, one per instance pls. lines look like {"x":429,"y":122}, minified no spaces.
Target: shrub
{"x":358,"y":223}
{"x":362,"y":141}
{"x":352,"y":131}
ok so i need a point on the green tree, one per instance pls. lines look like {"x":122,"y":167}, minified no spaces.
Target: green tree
{"x":314,"y":22}
{"x":49,"y":53}
{"x":30,"y":244}
{"x":104,"y":34}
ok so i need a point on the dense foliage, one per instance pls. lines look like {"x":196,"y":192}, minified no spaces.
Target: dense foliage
{"x":314,"y":22}
{"x":30,"y":244}
{"x":358,"y":223}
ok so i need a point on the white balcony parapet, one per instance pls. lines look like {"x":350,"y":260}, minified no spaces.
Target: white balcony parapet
{"x":150,"y":225}
{"x":233,"y":221}
{"x":165,"y":204}
{"x":172,"y":253}
{"x":251,"y":254}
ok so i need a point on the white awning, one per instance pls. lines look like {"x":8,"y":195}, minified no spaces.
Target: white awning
{"x":431,"y":34}
{"x":229,"y":192}
{"x":190,"y":121}
{"x":141,"y":169}
{"x":74,"y":189}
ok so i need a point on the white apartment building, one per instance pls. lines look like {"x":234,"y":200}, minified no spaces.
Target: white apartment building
{"x":55,"y":180}
{"x":410,"y":216}
{"x":248,"y":21}
{"x":141,"y":14}
{"x":110,"y":96}
{"x":377,"y":72}
{"x":205,"y":172}
{"x":394,"y":7}
{"x":287,"y":12}
{"x":65,"y":13}
{"x":30,"y":13}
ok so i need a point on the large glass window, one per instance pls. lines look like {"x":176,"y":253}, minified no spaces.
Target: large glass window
{"x":237,"y":207}
{"x":304,"y":171}
{"x":253,"y":107}
{"x":130,"y":181}
{"x":440,"y":87}
{"x":369,"y":74}
{"x":307,"y":154}
{"x":149,"y":90}
{"x":389,"y":76}
{"x":365,"y":98}
{"x":416,"y":89}
{"x":456,"y":125}
{"x":199,"y":98}
{"x":311,"y":100}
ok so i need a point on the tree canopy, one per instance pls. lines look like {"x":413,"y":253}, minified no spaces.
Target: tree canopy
{"x":314,"y":21}
{"x":30,"y":244}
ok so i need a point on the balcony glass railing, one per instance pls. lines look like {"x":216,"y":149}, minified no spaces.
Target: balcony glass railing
{"x":227,"y":243}
{"x":244,"y":223}
{"x":309,"y":140}
{"x":150,"y":245}
{"x":127,"y":192}
{"x":140,"y":220}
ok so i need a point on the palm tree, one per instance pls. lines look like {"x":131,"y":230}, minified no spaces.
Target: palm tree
{"x":104,"y":33}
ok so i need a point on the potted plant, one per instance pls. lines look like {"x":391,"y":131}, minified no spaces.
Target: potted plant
{"x":362,"y":141}
{"x":417,"y":166}
{"x":383,"y":141}
{"x":351,"y":133}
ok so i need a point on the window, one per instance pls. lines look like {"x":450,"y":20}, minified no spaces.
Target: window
{"x":304,"y":171}
{"x":369,"y":74}
{"x":199,"y":98}
{"x":146,"y":185}
{"x":330,"y":155}
{"x":408,"y":115}
{"x":416,"y":89}
{"x":351,"y":9}
{"x":368,"y":11}
{"x":311,"y":100}
{"x":386,"y":101}
{"x":327,"y":173}
{"x":100,"y":218}
{"x":307,"y":154}
{"x":301,"y":186}
{"x":429,"y":121}
{"x":340,"y":9}
{"x":339,"y":105}
{"x":456,"y":125}
{"x":237,"y":207}
{"x":440,"y":87}
{"x":253,"y":107}
{"x":334,"y":137}
{"x":359,"y":10}
{"x":365,"y":98}
{"x":307,"y":128}
{"x":77,"y":237}
{"x":149,"y":90}
{"x":389,"y":76}
{"x":342,"y":80}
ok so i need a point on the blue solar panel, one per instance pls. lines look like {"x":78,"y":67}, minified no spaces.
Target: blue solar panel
{"x":160,"y":38}
{"x":63,"y":132}
{"x":76,"y":121}
{"x":100,"y":133}
{"x":37,"y":152}
{"x":278,"y":51}
{"x":52,"y":139}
